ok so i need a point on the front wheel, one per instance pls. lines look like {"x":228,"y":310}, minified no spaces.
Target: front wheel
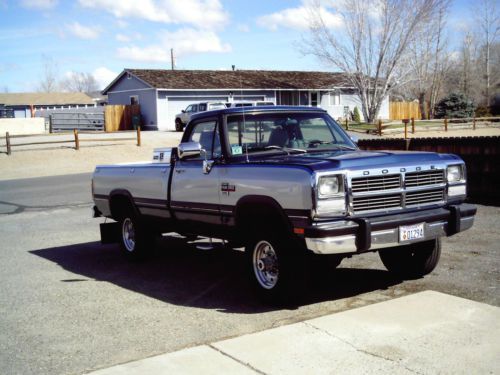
{"x":136,"y":241}
{"x":178,"y":125}
{"x":412,"y":261}
{"x":278,"y":269}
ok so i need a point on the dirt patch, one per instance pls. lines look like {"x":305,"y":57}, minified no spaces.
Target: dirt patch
{"x":53,"y":160}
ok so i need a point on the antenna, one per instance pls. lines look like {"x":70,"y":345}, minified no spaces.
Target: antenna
{"x":243,"y":113}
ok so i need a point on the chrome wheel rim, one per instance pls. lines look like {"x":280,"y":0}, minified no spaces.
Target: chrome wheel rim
{"x":128,"y":234}
{"x":265,"y":265}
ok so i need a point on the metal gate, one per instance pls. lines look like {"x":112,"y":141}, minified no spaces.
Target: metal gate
{"x":75,"y":119}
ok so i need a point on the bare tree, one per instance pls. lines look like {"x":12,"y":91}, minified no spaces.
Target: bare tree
{"x":429,"y":62}
{"x":372,"y":44}
{"x":48,"y":82}
{"x":488,"y":19}
{"x":80,"y":82}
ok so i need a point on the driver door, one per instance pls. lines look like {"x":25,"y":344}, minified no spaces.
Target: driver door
{"x":195,"y":194}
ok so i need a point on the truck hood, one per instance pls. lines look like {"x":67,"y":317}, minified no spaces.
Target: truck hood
{"x":359,"y":159}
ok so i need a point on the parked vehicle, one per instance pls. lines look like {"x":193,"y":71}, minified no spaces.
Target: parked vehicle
{"x":291,"y":187}
{"x":248,"y":104}
{"x":181,"y":119}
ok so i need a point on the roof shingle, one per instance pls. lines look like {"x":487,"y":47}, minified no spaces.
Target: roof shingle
{"x":46,"y":99}
{"x":239,"y":79}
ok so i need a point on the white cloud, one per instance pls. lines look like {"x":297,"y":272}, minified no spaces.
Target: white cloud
{"x":184,"y":42}
{"x":125,"y":38}
{"x":104,"y":76}
{"x":297,"y":18}
{"x":39,"y":4}
{"x":206,"y":14}
{"x":243,"y":28}
{"x":83,"y":32}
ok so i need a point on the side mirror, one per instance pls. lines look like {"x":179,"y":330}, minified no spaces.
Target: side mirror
{"x":183,"y":111}
{"x":189,"y":149}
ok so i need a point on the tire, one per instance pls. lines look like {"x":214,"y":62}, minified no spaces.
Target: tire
{"x":136,"y":241}
{"x":412,"y":261}
{"x":178,"y":125}
{"x":277,"y":268}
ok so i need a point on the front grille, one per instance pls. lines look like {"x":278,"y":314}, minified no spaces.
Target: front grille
{"x":434,"y":177}
{"x":386,"y":192}
{"x":376,"y":203}
{"x":376,"y":183}
{"x":423,"y":197}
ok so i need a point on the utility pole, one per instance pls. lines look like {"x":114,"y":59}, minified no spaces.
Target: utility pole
{"x":172,"y":57}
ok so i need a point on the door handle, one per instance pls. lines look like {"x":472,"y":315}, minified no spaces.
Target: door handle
{"x":180,"y":170}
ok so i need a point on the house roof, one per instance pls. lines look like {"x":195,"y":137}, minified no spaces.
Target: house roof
{"x":239,"y":79}
{"x":42,"y":98}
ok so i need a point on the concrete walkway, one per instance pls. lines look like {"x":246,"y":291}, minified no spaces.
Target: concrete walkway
{"x":425,"y":333}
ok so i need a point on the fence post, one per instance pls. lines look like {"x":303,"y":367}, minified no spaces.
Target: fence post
{"x":445,"y":124}
{"x":379,"y":127}
{"x":7,"y":143}
{"x":405,"y":121}
{"x":77,"y":141}
{"x":413,"y":125}
{"x":139,"y":136}
{"x":474,"y":124}
{"x":346,"y":124}
{"x":50,"y":124}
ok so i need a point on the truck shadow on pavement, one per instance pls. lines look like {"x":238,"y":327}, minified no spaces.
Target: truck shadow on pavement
{"x":180,"y":274}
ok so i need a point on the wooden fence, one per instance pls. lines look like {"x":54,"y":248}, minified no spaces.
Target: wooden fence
{"x":62,"y":138}
{"x":121,"y":117}
{"x":481,"y":155}
{"x":404,"y":110}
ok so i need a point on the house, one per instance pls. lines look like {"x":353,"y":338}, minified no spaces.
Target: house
{"x":164,"y":93}
{"x":26,"y":104}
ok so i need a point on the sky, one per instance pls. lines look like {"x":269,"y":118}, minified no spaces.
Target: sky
{"x":102,"y":37}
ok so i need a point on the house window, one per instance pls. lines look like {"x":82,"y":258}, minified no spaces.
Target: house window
{"x":335,"y":97}
{"x":314,"y":99}
{"x":134,"y":99}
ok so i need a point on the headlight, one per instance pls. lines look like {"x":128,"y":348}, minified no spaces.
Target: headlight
{"x":328,"y":186}
{"x":455,"y":173}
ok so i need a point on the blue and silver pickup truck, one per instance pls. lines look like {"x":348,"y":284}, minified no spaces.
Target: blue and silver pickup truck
{"x":289,"y":186}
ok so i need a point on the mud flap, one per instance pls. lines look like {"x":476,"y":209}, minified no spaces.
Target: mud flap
{"x":110,"y":233}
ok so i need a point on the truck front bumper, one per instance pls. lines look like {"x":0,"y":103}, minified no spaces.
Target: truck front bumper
{"x":359,"y":235}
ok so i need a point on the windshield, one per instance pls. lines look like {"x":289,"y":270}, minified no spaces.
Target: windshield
{"x":300,"y":132}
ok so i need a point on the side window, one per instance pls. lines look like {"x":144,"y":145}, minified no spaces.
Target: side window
{"x":207,"y":135}
{"x":202,"y":107}
{"x":189,"y":108}
{"x":195,"y":108}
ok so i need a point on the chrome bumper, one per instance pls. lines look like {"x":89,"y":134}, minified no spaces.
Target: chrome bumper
{"x":345,"y":237}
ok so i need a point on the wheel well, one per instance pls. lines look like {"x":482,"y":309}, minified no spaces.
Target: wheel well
{"x":260,"y":212}
{"x":119,"y":204}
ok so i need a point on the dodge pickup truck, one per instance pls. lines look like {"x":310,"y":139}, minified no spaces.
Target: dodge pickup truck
{"x":290,"y":187}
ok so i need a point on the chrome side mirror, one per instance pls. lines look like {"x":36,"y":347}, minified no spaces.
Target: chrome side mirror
{"x":189,"y":149}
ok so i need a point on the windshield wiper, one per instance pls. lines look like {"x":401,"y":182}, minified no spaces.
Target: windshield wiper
{"x":286,"y":149}
{"x":336,"y":145}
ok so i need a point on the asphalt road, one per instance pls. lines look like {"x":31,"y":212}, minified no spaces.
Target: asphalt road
{"x":69,"y":304}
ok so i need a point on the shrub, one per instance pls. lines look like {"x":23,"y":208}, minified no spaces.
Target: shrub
{"x":356,"y":116}
{"x":483,"y":111}
{"x":455,"y":105}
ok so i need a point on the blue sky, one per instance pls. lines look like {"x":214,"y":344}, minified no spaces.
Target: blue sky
{"x":103,"y":37}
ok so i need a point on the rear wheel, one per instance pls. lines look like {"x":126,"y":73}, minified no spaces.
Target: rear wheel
{"x":412,"y":261}
{"x":277,"y":268}
{"x":136,"y":240}
{"x":178,"y":125}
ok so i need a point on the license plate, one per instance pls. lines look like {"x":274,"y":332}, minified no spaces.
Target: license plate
{"x":411,"y":232}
